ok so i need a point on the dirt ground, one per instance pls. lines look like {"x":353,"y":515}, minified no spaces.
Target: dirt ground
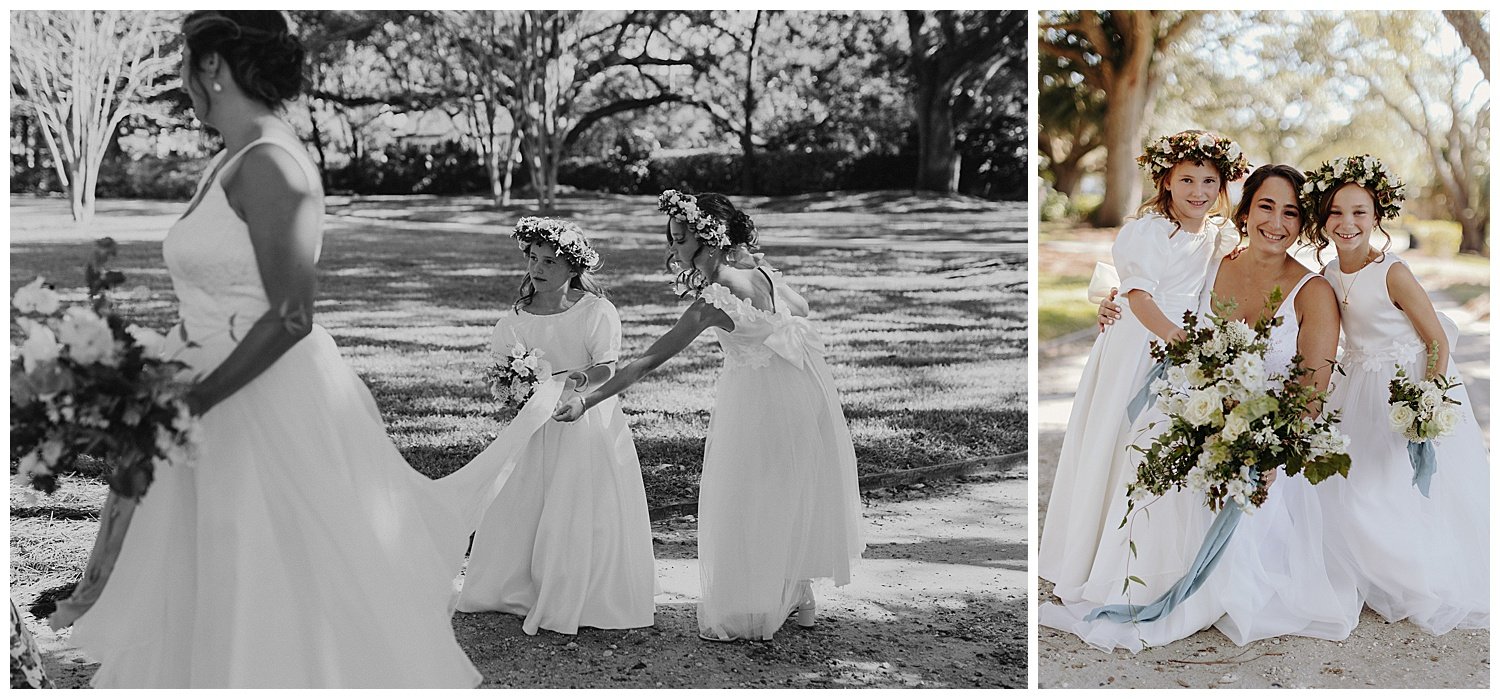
{"x":1377,"y":654}
{"x":938,"y":601}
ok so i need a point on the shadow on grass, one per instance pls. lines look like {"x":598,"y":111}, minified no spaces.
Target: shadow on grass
{"x":984,"y":552}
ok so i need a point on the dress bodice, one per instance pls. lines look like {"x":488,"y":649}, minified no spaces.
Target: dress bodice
{"x":1376,"y":332}
{"x":584,"y":335}
{"x":212,"y":261}
{"x":759,"y":334}
{"x":1152,"y":255}
{"x":1282,"y":346}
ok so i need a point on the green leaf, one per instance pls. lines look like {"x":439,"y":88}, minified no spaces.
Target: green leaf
{"x":1133,"y":553}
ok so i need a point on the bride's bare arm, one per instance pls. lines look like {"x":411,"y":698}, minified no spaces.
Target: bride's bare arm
{"x":698,"y":318}
{"x":270,"y":191}
{"x":1317,"y":331}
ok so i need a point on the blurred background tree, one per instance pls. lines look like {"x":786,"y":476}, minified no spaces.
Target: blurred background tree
{"x":1297,"y":88}
{"x":531,"y":103}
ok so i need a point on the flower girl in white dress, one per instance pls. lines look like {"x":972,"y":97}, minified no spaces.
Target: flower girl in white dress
{"x":780,"y":497}
{"x":1163,"y":258}
{"x":1415,"y":557}
{"x":567,"y":542}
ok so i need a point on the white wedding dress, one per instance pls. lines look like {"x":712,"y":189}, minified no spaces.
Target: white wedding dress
{"x":1151,"y":255}
{"x":567,"y":543}
{"x":1420,"y":558}
{"x":299,"y":549}
{"x":1272,"y":578}
{"x":779,"y":501}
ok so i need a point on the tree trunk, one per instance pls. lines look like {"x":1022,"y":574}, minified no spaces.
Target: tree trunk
{"x":512,"y":144}
{"x":1129,"y":97}
{"x":937,"y":153}
{"x":1475,"y":237}
{"x":1067,"y":175}
{"x":747,"y":144}
{"x":317,"y":137}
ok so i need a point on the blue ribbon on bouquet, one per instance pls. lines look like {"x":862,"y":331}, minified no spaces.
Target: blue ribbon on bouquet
{"x":1208,"y":556}
{"x":1145,"y":397}
{"x":1423,"y":464}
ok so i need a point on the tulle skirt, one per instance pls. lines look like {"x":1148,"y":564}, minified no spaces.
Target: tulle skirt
{"x":1420,"y":558}
{"x":780,"y":497}
{"x":299,"y":550}
{"x":568,"y":541}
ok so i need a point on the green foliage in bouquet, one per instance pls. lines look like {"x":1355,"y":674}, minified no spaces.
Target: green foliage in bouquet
{"x":85,"y":382}
{"x":1229,"y":421}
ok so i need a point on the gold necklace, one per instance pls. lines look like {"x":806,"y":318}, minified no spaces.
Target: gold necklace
{"x":1352,"y":278}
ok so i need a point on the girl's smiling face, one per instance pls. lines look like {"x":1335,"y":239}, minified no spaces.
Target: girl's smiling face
{"x":1275,"y":217}
{"x":1194,"y":188}
{"x":1351,"y":218}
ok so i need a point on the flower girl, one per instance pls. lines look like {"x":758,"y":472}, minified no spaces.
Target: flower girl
{"x":780,"y":496}
{"x":1414,"y":529}
{"x":1163,"y":258}
{"x":567,"y":542}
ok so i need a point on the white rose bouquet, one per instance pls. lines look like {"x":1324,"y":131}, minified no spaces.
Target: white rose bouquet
{"x":1422,"y":412}
{"x":84,"y":382}
{"x":514,"y":377}
{"x":1230,"y":421}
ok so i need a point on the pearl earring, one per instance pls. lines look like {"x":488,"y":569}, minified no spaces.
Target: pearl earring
{"x":218,"y":87}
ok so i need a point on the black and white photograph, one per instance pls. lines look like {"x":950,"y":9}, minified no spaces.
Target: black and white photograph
{"x":529,"y":348}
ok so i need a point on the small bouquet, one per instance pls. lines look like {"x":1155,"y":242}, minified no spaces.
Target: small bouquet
{"x":84,"y":382}
{"x":1230,"y":421}
{"x":514,"y":377}
{"x":1422,"y":412}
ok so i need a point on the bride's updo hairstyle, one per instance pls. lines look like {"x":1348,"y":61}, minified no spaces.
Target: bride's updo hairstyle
{"x":262,"y":54}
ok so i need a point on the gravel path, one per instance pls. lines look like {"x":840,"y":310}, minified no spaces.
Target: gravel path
{"x":938,"y":601}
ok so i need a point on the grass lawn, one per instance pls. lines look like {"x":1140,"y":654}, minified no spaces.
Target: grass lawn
{"x":921,"y":301}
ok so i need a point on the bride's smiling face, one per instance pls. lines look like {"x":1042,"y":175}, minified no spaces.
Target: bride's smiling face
{"x":1274,"y":218}
{"x":1351,"y":217}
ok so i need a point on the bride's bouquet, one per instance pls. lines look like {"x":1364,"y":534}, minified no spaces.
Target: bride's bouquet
{"x":514,"y":377}
{"x":1230,"y":421}
{"x":84,"y":382}
{"x":1422,"y":412}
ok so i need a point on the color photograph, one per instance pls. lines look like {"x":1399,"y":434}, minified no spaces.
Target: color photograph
{"x":1263,"y":344}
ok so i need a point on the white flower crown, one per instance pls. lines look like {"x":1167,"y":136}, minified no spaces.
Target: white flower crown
{"x":1195,"y":146}
{"x":1364,"y":170}
{"x":566,"y":236}
{"x":709,"y":229}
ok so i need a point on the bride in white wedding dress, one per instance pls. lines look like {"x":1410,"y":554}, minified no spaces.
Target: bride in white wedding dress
{"x":299,"y":549}
{"x":1273,"y":577}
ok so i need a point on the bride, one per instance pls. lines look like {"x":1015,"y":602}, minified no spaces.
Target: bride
{"x":299,"y":549}
{"x":1273,"y":578}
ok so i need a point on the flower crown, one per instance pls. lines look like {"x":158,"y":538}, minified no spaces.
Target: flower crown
{"x":709,"y":229}
{"x":566,"y":236}
{"x":1194,"y":146}
{"x":1364,"y":170}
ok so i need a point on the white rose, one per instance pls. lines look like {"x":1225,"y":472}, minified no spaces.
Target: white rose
{"x":151,"y":343}
{"x":41,"y":346}
{"x":1234,"y":426}
{"x":36,"y":298}
{"x":1202,"y":407}
{"x":1206,"y":140}
{"x":1338,"y":169}
{"x":1401,"y":416}
{"x":1431,"y":397}
{"x":1234,"y":151}
{"x":87,"y":337}
{"x":1447,"y":418}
